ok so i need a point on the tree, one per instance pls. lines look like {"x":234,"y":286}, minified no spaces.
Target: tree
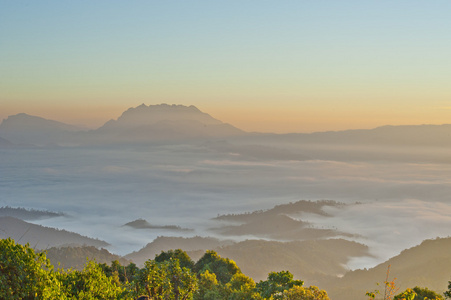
{"x":447,"y":294}
{"x":390,"y":288}
{"x":241,"y":287}
{"x":418,"y":293}
{"x":184,"y":260}
{"x":223,"y":268}
{"x":124,"y":274}
{"x":91,"y":283}
{"x":209,"y":287}
{"x":301,"y":293}
{"x":25,"y":274}
{"x":166,"y":280}
{"x":277,"y":283}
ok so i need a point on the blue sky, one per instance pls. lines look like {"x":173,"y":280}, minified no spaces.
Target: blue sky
{"x":261,"y":65}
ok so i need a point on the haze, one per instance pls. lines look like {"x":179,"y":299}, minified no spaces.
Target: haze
{"x":286,"y":66}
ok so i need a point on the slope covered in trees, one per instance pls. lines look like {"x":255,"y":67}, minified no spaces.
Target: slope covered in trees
{"x":26,"y":274}
{"x":426,"y":265}
{"x":280,"y":223}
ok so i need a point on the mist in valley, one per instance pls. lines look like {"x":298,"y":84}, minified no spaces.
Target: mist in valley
{"x":390,"y":205}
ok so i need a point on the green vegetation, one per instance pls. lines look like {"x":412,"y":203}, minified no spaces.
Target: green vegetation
{"x":172,"y":275}
{"x":418,"y":293}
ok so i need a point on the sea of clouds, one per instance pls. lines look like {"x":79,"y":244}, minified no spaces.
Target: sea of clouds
{"x":100,"y":189}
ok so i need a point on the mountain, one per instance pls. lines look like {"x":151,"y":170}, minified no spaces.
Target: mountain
{"x":425,"y":265}
{"x":148,"y":115}
{"x":401,"y":135}
{"x":75,"y":257}
{"x":306,"y":260}
{"x":163,"y":122}
{"x":41,"y":237}
{"x":27,"y":214}
{"x":197,"y":245}
{"x":26,"y":129}
{"x":280,"y":223}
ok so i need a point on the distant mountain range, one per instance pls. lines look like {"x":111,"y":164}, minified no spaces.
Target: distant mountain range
{"x":416,"y":135}
{"x":136,"y":125}
{"x":163,"y":122}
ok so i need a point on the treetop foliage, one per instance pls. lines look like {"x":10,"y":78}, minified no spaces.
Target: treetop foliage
{"x":172,"y":275}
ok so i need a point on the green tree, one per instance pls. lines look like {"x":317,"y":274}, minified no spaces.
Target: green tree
{"x":183,"y":258}
{"x":301,"y":293}
{"x":241,"y":287}
{"x":91,"y":283}
{"x":165,"y":280}
{"x":25,"y":274}
{"x":209,"y":287}
{"x":418,"y":293}
{"x":223,"y":268}
{"x":447,"y":294}
{"x":276,"y":284}
{"x":124,"y":274}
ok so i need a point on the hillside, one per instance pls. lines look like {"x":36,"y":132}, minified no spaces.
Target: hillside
{"x":283,"y":222}
{"x":197,"y":245}
{"x":308,"y":260}
{"x":425,"y":265}
{"x":41,"y":237}
{"x":27,"y":214}
{"x":75,"y":257}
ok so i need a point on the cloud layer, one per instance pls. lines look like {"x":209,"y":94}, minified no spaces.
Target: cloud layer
{"x":186,"y":185}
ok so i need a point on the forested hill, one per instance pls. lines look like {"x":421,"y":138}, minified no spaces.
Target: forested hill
{"x":41,"y":237}
{"x":170,"y":275}
{"x":27,"y":214}
{"x":425,"y":265}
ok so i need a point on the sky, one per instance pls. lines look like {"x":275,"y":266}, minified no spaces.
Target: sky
{"x":270,"y":66}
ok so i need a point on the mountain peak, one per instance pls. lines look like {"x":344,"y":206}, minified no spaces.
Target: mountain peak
{"x":166,"y":122}
{"x":144,"y":115}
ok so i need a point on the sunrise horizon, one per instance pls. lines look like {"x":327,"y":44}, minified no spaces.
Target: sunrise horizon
{"x":261,"y":66}
{"x":276,"y":121}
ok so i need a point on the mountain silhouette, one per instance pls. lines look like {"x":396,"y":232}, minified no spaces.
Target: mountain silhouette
{"x":168,"y":123}
{"x":27,"y":129}
{"x":144,"y":123}
{"x":163,"y":122}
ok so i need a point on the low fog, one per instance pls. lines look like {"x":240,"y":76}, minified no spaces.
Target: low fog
{"x":101,"y":189}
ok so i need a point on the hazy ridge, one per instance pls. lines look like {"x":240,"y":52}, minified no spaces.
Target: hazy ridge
{"x":178,"y":122}
{"x":41,"y":237}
